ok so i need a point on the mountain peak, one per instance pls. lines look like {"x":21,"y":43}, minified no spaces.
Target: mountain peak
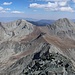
{"x":63,"y":27}
{"x":21,"y":20}
{"x":64,"y":20}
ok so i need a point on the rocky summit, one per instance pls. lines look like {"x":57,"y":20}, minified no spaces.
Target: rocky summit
{"x":26,"y":49}
{"x":16,"y":29}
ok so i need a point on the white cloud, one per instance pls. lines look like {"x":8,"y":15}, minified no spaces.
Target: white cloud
{"x":16,"y":12}
{"x":1,"y":8}
{"x":62,"y":3}
{"x":48,"y":5}
{"x":53,"y":6}
{"x":3,"y":11}
{"x":7,"y":3}
{"x":35,"y":10}
{"x":69,"y":9}
{"x":35,"y":5}
{"x":7,"y":9}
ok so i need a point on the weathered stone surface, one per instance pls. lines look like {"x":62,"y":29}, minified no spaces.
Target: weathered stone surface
{"x":49,"y":64}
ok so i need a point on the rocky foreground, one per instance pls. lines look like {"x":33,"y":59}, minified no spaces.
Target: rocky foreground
{"x":26,"y":49}
{"x":49,"y":64}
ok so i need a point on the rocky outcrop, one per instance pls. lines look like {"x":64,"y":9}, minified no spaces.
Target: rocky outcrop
{"x":63,"y":28}
{"x":49,"y":64}
{"x":17,"y":67}
{"x":15,"y":29}
{"x":15,"y":55}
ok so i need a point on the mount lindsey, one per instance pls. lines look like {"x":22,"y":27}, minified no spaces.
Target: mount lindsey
{"x":26,"y":49}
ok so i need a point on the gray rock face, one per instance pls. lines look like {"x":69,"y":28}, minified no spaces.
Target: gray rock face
{"x":10,"y":45}
{"x":49,"y":64}
{"x":27,"y":50}
{"x":15,"y":29}
{"x":17,"y":67}
{"x":63,"y":28}
{"x":15,"y":56}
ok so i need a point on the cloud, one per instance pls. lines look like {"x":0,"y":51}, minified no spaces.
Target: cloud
{"x":16,"y":12}
{"x":4,"y":10}
{"x":48,"y":5}
{"x":7,"y":9}
{"x":1,"y":8}
{"x":62,"y":3}
{"x":7,"y":3}
{"x":69,"y":9}
{"x":73,"y":0}
{"x":53,"y":6}
{"x":35,"y":5}
{"x":34,"y":10}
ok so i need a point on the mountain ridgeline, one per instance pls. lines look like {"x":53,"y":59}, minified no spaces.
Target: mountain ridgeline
{"x":27,"y":49}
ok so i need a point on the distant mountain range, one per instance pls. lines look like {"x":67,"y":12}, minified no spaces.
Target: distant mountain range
{"x":42,"y":22}
{"x":37,"y":22}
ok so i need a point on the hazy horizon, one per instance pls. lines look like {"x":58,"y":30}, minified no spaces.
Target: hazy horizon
{"x":9,"y":19}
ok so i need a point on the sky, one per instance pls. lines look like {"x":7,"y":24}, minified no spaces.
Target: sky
{"x":38,"y":9}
